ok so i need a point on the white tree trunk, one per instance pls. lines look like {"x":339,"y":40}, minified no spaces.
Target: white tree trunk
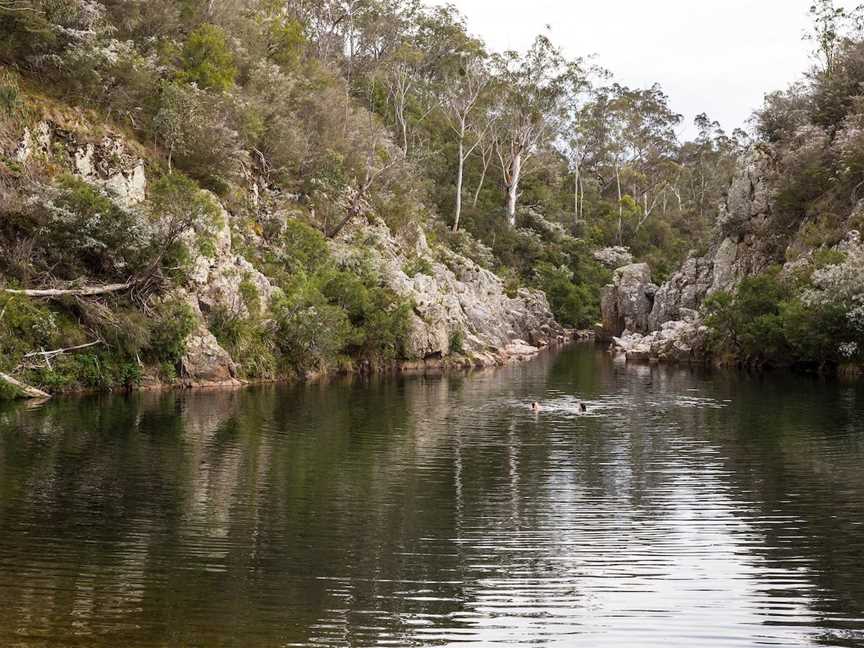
{"x":513,"y":188}
{"x":459,"y":179}
{"x":486,"y":162}
{"x":620,"y":206}
{"x":576,"y":183}
{"x":90,"y":291}
{"x":581,"y":200}
{"x":26,"y":391}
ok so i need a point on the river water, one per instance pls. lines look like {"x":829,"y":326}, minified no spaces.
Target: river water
{"x":685,"y":509}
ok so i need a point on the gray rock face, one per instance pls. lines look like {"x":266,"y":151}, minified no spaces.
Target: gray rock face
{"x":743,"y":246}
{"x":685,"y":290}
{"x":110,"y":164}
{"x":456,"y":297}
{"x":626,"y":304}
{"x":682,"y":342}
{"x":216,"y":281}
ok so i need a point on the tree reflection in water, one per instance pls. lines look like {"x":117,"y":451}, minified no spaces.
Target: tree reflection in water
{"x":687,"y":508}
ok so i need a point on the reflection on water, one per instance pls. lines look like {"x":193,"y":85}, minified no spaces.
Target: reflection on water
{"x":683,"y":509}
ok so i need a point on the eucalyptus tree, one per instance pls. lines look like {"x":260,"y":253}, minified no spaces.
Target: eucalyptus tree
{"x":832,"y":26}
{"x":532,"y":94}
{"x":466,"y":114}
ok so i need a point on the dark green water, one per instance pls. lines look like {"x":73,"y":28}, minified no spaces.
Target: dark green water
{"x":686,"y":509}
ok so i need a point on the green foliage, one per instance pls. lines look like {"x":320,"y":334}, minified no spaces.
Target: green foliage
{"x":572,"y":304}
{"x":250,"y":342}
{"x":311,"y":332}
{"x":81,"y":231}
{"x":251,"y":298}
{"x":95,"y":370}
{"x":199,"y":133}
{"x":457,"y":342}
{"x":173,"y":325}
{"x":418,"y":265}
{"x":207,"y":60}
{"x":10,"y":95}
{"x":178,"y":205}
{"x":286,"y":43}
{"x":766,"y":322}
{"x":750,"y":323}
{"x":304,"y":248}
{"x":25,"y":326}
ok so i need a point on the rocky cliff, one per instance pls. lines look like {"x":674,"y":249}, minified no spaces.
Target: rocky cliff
{"x":461,"y":314}
{"x":647,"y":321}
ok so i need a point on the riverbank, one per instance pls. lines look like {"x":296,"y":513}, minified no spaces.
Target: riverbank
{"x":517,"y":352}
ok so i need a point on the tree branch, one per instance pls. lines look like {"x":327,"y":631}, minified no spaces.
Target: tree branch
{"x":87,"y":291}
{"x":26,"y":391}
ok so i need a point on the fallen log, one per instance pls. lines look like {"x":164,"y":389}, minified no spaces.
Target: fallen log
{"x":50,"y":354}
{"x":25,"y":391}
{"x":87,"y":291}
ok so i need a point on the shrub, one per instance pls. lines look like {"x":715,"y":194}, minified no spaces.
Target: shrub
{"x":571,"y":303}
{"x":82,"y":231}
{"x":25,"y":326}
{"x":250,"y":296}
{"x":311,"y":332}
{"x":10,"y":95}
{"x":286,"y":42}
{"x":207,"y":59}
{"x":249,"y":341}
{"x":749,"y":323}
{"x":177,"y":206}
{"x":174,"y":323}
{"x":418,"y":265}
{"x":304,"y":248}
{"x":379,"y":320}
{"x":457,"y":342}
{"x":198,"y":134}
{"x":766,"y":322}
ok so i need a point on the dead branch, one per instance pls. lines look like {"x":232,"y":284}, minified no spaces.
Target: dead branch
{"x":26,"y":391}
{"x":52,"y":354}
{"x":87,"y":291}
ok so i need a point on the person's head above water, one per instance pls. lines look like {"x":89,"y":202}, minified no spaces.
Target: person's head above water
{"x":583,"y":407}
{"x":535,"y":406}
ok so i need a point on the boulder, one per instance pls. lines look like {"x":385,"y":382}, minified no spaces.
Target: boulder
{"x":626,"y":304}
{"x":614,"y":257}
{"x":206,"y":362}
{"x":684,"y":291}
{"x":676,"y":342}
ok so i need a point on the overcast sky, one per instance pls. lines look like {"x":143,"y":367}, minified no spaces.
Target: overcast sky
{"x":714,"y":56}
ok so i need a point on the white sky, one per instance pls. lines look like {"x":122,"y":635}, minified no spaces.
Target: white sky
{"x":714,"y":56}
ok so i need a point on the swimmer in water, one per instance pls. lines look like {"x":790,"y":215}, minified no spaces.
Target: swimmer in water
{"x":535,"y":406}
{"x":583,"y":408}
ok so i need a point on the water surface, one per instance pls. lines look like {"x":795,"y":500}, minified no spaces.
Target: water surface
{"x":686,"y":509}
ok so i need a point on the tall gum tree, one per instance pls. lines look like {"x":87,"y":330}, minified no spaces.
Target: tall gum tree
{"x":532,"y":91}
{"x":466,"y":116}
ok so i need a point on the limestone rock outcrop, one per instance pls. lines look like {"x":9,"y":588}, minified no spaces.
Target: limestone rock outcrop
{"x":678,"y":342}
{"x":646,"y":321}
{"x":454,"y":298}
{"x":626,"y":304}
{"x":217,"y":280}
